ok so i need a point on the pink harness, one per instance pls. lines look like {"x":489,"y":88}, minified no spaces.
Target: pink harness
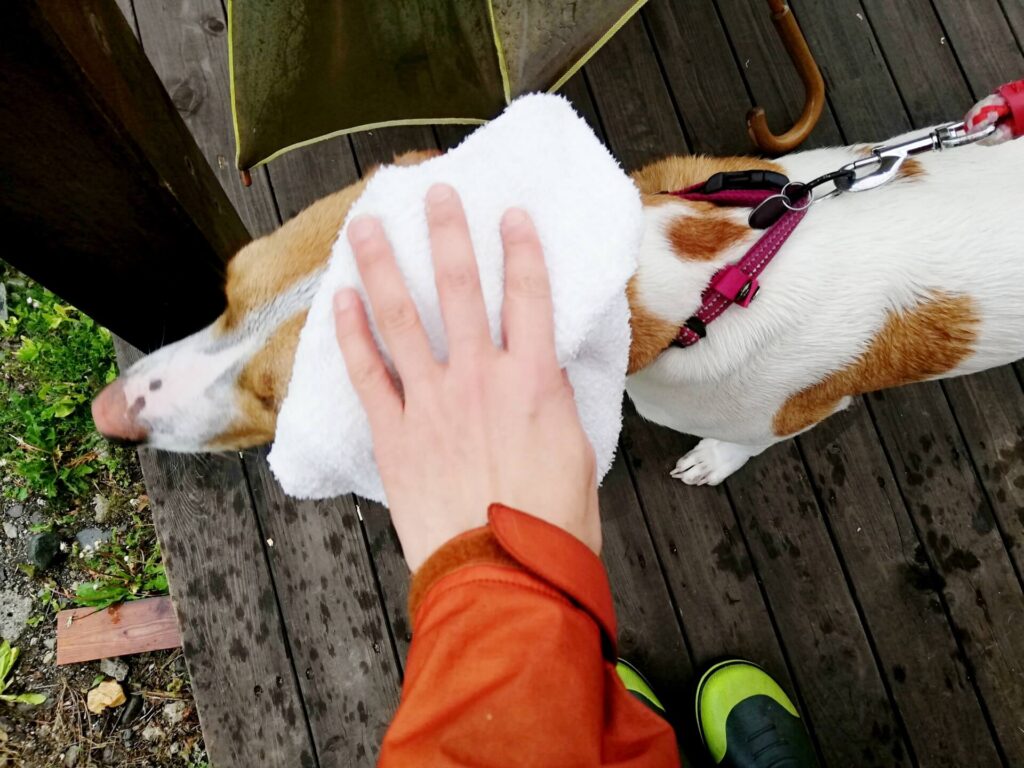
{"x":997,"y":118}
{"x":736,"y":283}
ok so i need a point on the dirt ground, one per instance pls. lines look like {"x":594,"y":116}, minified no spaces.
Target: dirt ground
{"x":157,"y":726}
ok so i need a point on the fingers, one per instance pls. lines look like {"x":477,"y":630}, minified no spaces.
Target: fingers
{"x":528,"y":312}
{"x":455,"y":271}
{"x":366,"y":369}
{"x":393,"y":308}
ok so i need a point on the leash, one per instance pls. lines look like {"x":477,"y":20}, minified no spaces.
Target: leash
{"x":779,"y":204}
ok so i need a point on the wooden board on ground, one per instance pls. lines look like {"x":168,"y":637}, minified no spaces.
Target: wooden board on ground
{"x":86,"y":634}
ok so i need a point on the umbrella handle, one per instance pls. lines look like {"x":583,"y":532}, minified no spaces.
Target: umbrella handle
{"x":814,"y":87}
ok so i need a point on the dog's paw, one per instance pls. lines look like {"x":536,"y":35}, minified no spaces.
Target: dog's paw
{"x":711,"y":461}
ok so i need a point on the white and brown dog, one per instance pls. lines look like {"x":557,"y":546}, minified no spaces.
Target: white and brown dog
{"x":919,"y":279}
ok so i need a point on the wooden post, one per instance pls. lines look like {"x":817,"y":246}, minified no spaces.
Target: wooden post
{"x":104,"y":196}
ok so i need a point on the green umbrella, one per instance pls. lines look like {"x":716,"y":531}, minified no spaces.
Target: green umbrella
{"x":305,"y":70}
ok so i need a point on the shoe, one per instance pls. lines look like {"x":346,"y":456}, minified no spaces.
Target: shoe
{"x":747,"y":721}
{"x":637,"y":685}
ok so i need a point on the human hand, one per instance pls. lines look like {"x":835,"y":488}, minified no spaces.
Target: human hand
{"x":492,"y":425}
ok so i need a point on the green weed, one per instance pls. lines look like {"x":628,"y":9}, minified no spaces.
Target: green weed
{"x":128,"y":567}
{"x":53,"y":360}
{"x":8,"y":656}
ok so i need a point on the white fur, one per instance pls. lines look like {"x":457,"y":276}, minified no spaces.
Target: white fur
{"x":196,"y":398}
{"x":852,"y":260}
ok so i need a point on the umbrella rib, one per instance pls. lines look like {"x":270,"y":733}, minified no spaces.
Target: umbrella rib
{"x":500,"y":50}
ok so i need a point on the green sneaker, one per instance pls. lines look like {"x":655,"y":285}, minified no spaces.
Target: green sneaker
{"x":747,"y":721}
{"x":637,"y":685}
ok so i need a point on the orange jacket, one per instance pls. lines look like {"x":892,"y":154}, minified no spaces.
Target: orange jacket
{"x":512,"y":659}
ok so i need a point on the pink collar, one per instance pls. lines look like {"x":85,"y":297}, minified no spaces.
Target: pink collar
{"x":737,"y":283}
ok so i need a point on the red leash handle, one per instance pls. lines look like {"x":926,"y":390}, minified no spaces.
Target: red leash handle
{"x":1013,"y":95}
{"x":1004,"y":109}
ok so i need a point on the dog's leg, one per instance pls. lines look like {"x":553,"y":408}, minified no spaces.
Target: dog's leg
{"x":711,"y":461}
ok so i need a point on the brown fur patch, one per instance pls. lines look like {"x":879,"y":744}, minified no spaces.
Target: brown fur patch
{"x":703,"y":237}
{"x":917,"y":344}
{"x":651,"y":334}
{"x":266,"y":267}
{"x":911,"y":169}
{"x":672,"y":173}
{"x":261,"y":388}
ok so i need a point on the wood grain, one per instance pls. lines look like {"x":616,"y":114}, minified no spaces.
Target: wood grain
{"x":86,"y":634}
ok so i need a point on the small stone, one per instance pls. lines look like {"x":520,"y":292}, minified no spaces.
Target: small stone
{"x":50,"y":642}
{"x":71,"y":756}
{"x":106,"y":695}
{"x":174,"y":749}
{"x":101,"y":506}
{"x":131,"y":711}
{"x":16,"y":511}
{"x":48,"y":658}
{"x":174,"y":712}
{"x":114,"y":668}
{"x":153,"y":733}
{"x":107,"y":758}
{"x":11,"y":530}
{"x":42,"y":548}
{"x":90,"y":538}
{"x":16,"y":610}
{"x":3,"y":304}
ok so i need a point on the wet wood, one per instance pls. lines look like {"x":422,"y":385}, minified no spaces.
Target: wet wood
{"x":86,"y":634}
{"x":94,"y":155}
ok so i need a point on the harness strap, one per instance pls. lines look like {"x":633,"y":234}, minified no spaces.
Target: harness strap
{"x":736,"y":283}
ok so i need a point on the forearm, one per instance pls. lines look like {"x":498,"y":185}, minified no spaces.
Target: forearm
{"x":510,"y":660}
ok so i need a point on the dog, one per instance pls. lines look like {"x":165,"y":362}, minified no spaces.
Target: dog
{"x":915,"y":280}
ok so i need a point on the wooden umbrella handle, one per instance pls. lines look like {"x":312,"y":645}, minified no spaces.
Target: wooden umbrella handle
{"x":814,"y":88}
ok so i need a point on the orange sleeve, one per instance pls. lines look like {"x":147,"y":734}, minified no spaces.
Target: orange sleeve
{"x":512,"y":659}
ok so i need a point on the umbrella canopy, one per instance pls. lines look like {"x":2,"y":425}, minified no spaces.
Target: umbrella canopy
{"x":305,"y":70}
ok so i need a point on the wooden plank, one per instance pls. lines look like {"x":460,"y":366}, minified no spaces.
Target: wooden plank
{"x":650,"y":633}
{"x":962,"y":544}
{"x":94,"y":155}
{"x":989,"y":409}
{"x":86,"y":634}
{"x":702,"y":75}
{"x":1014,"y":10}
{"x":381,"y":146}
{"x":391,"y":571}
{"x":186,"y":41}
{"x":983,"y":41}
{"x":859,"y":85}
{"x":895,"y":588}
{"x":835,"y":666}
{"x":302,"y":176}
{"x":250,"y":707}
{"x":347,"y":671}
{"x":706,"y":561}
{"x":921,"y":60}
{"x":643,"y":127}
{"x":768,"y":71}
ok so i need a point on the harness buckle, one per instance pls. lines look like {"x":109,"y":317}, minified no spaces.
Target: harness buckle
{"x":723,"y":181}
{"x":736,"y":285}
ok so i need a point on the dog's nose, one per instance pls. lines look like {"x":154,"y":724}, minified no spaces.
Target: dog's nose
{"x":115,"y":417}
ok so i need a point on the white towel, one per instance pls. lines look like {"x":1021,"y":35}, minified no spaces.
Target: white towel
{"x":539,"y":155}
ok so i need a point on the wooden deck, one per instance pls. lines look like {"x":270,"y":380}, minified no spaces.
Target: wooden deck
{"x":874,"y":565}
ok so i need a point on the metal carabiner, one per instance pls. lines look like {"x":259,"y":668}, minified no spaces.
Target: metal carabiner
{"x":887,"y":160}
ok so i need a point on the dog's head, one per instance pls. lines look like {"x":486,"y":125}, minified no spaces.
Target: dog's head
{"x":221,"y":388}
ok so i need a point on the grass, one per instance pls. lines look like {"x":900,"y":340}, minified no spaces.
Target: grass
{"x":53,"y":360}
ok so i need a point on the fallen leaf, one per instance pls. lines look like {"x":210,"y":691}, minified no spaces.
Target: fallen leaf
{"x":104,"y":696}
